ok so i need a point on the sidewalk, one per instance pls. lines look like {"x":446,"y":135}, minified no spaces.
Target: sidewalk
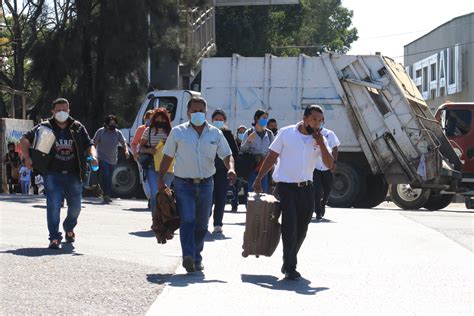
{"x":357,"y":262}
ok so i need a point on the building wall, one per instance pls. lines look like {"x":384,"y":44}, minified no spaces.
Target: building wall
{"x":451,"y":44}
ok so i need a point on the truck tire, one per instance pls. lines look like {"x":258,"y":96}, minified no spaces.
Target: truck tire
{"x":347,"y":186}
{"x":377,"y":189}
{"x":469,"y":202}
{"x":126,"y":180}
{"x":438,"y":201}
{"x":408,"y":198}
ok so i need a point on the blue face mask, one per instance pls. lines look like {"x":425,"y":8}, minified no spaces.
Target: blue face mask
{"x":321,"y":126}
{"x":240,"y":136}
{"x":218,"y":124}
{"x":198,"y":118}
{"x":263,"y":122}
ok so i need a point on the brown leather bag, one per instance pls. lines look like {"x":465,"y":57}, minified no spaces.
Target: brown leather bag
{"x":262,"y":229}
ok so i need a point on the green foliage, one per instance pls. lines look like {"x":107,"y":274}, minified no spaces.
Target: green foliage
{"x":312,"y":27}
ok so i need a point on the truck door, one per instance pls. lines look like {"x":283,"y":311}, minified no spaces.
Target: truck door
{"x":170,"y":103}
{"x":458,"y":126}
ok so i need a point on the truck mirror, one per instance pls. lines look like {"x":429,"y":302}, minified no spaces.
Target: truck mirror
{"x":470,"y":153}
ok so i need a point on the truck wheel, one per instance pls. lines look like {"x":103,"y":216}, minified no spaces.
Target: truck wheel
{"x":408,"y":198}
{"x":438,"y":201}
{"x":469,"y":202}
{"x":125,"y":179}
{"x":347,"y":185}
{"x":377,"y":189}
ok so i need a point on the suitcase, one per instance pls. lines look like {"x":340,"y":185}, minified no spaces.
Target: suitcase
{"x":262,"y":229}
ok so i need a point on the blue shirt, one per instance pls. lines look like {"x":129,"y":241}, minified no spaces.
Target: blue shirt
{"x":194,"y":154}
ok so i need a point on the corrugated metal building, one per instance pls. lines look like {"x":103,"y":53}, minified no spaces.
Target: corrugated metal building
{"x":441,"y":63}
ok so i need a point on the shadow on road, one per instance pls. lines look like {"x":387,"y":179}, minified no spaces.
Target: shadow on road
{"x":180,"y":280}
{"x":217,"y":236}
{"x":271,"y":282}
{"x":236,"y":224}
{"x":144,"y":233}
{"x":19,"y":198}
{"x":324,"y":220}
{"x":66,"y":249}
{"x":136,"y":209}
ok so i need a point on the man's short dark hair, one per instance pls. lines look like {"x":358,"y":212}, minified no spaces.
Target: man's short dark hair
{"x":219,"y":112}
{"x":197,"y":99}
{"x":109,"y":118}
{"x":313,"y":108}
{"x":59,"y":101}
{"x":11,"y":144}
{"x":272,"y":120}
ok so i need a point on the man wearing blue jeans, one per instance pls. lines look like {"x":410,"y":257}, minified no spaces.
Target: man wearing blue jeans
{"x":107,"y":140}
{"x":66,"y":168}
{"x":194,"y":145}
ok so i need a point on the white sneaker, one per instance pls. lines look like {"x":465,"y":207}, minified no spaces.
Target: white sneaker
{"x":217,"y":230}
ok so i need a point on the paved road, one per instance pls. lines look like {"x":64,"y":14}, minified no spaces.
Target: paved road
{"x":356,"y":262}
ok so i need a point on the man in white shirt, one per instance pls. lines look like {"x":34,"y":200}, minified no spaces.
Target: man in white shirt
{"x":295,"y":150}
{"x":323,"y":176}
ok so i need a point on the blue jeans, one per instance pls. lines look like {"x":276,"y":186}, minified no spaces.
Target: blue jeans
{"x":106,"y":170}
{"x":194,"y":202}
{"x":252,"y":177}
{"x":59,"y":186}
{"x":221,"y":186}
{"x":152,"y":185}
{"x":25,"y":187}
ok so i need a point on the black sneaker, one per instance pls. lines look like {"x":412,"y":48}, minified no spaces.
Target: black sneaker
{"x":199,"y":266}
{"x":70,"y":236}
{"x":188,"y":264}
{"x":54,"y":244}
{"x":292,"y":275}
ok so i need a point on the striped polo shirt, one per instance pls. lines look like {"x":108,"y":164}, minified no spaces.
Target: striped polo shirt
{"x":153,"y":139}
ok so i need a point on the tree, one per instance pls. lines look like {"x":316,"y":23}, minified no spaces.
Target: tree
{"x":311,"y":27}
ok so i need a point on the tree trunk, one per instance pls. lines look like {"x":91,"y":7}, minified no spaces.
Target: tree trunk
{"x":100,"y":104}
{"x":86,"y":84}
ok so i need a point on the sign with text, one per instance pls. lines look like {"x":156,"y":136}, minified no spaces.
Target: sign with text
{"x":439,"y":74}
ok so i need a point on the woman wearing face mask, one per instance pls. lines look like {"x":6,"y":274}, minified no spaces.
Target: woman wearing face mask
{"x":135,"y":147}
{"x":221,"y":183}
{"x":156,"y":133}
{"x":256,"y":141}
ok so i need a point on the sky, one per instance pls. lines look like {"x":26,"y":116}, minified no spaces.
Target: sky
{"x":386,"y":26}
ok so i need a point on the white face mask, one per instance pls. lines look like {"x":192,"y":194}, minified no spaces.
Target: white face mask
{"x":61,"y":116}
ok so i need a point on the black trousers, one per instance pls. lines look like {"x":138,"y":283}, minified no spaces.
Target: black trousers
{"x":322,"y":181}
{"x":297,"y":206}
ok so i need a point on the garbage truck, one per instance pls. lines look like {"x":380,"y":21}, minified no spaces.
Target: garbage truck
{"x":387,"y":132}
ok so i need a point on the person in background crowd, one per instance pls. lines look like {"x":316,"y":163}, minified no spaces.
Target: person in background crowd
{"x":25,"y":178}
{"x":12,"y":164}
{"x":221,"y":183}
{"x":194,"y":145}
{"x":63,"y":176}
{"x":273,"y":126}
{"x":107,"y":140}
{"x":295,"y":150}
{"x":256,"y":141}
{"x":239,"y":183}
{"x":323,"y":176}
{"x":156,"y":133}
{"x":135,"y":148}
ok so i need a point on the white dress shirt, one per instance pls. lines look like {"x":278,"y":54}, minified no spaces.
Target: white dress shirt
{"x":333,"y":141}
{"x":297,"y":155}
